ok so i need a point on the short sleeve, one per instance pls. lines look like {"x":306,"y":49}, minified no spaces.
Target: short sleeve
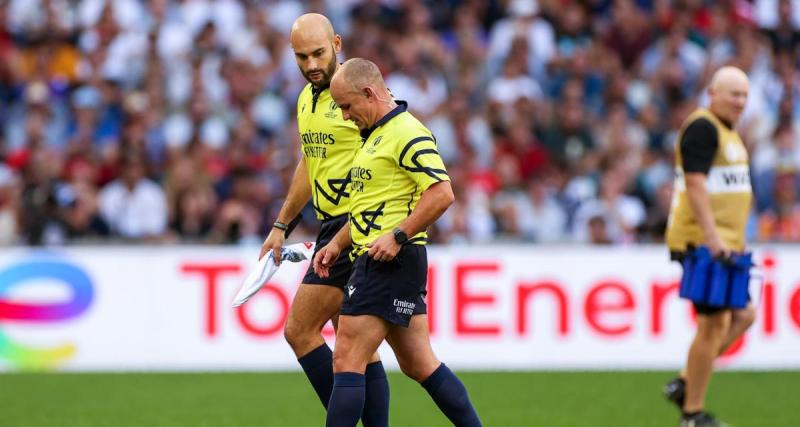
{"x":698,"y":146}
{"x":420,"y":159}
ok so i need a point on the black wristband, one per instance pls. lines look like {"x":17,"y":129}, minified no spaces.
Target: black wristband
{"x":280,"y":226}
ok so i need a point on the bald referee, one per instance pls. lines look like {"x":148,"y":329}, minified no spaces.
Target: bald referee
{"x":399,"y":187}
{"x":711,"y":204}
{"x":329,"y":143}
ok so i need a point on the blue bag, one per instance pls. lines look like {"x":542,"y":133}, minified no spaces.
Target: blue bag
{"x":740,"y":280}
{"x":715,"y":282}
{"x":701,"y":274}
{"x":719,"y":286}
{"x":686,"y":279}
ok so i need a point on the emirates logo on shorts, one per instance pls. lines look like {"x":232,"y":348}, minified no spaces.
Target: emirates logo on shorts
{"x":404,"y":307}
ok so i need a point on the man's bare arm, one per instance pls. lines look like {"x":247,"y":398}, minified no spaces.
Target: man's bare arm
{"x":297,"y":197}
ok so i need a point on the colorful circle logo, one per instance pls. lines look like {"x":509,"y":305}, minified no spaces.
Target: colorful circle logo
{"x":24,"y":274}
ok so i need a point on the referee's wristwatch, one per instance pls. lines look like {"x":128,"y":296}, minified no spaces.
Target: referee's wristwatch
{"x":400,"y":236}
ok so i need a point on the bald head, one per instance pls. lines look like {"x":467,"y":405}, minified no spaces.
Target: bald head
{"x":360,"y":73}
{"x":312,"y":25}
{"x":359,"y":90}
{"x":315,"y":46}
{"x":728,"y":76}
{"x":728,"y":91}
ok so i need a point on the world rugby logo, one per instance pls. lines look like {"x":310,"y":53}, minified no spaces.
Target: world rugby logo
{"x":331,"y":114}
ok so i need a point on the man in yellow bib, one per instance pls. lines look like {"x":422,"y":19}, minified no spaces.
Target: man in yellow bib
{"x":399,"y":188}
{"x":329,"y":143}
{"x":711,"y":204}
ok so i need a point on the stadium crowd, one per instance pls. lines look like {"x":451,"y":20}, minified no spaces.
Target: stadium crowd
{"x":174,"y":120}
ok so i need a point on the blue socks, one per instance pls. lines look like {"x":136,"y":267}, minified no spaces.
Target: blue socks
{"x":451,"y":397}
{"x":376,"y":405}
{"x":347,"y":400}
{"x":318,"y":366}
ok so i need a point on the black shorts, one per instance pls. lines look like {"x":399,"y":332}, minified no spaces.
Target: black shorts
{"x":708,"y":310}
{"x":393,"y":290}
{"x":341,"y":269}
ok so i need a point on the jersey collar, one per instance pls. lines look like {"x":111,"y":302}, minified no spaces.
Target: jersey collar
{"x":315,"y":93}
{"x":318,"y":90}
{"x":402,"y":106}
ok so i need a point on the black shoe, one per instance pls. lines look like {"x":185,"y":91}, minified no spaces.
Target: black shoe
{"x":675,"y":391}
{"x":703,"y":419}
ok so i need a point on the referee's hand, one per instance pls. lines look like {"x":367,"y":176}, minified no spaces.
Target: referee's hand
{"x":718,"y":248}
{"x":273,"y":242}
{"x":384,"y":248}
{"x":325,"y":258}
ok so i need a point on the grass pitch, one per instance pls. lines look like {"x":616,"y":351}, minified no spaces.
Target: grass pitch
{"x":285,"y":399}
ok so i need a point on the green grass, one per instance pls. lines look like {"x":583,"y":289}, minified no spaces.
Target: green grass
{"x":285,"y":399}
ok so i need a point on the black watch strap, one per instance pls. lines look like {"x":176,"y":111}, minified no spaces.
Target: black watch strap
{"x":400,"y":236}
{"x":288,"y":228}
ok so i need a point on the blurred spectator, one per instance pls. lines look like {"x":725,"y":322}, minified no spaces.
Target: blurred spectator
{"x":417,"y":79}
{"x":40,"y":207}
{"x":568,"y":138}
{"x":622,"y":138}
{"x":630,"y":33}
{"x":620,"y":214}
{"x":780,"y":153}
{"x":655,"y":224}
{"x":134,"y":206}
{"x":523,"y":22}
{"x":514,"y":83}
{"x":239,"y":218}
{"x":462,"y":133}
{"x":781,"y":222}
{"x":9,"y":225}
{"x":677,"y":60}
{"x":771,"y":13}
{"x":521,"y":145}
{"x":79,"y":201}
{"x":784,"y":36}
{"x":194,"y":213}
{"x":598,"y":231}
{"x":469,"y":219}
{"x":532,"y":213}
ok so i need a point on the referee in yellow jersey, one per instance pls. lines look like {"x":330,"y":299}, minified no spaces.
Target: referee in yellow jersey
{"x":398,"y":188}
{"x":329,"y":143}
{"x":711,"y":204}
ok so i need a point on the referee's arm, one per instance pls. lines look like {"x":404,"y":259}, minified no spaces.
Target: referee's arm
{"x":297,"y":197}
{"x":432,"y":204}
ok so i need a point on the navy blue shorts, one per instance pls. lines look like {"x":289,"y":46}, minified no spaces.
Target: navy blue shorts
{"x":393,"y":290}
{"x":342,"y":268}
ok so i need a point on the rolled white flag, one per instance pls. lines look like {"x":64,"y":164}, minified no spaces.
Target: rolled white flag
{"x":266,"y":268}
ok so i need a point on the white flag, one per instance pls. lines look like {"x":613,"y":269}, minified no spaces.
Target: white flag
{"x":266,"y":268}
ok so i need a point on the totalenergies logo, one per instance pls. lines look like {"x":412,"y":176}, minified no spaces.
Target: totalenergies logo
{"x":12,"y":280}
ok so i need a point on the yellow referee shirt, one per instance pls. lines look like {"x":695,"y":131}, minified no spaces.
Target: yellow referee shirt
{"x":329,"y":143}
{"x":397,"y":161}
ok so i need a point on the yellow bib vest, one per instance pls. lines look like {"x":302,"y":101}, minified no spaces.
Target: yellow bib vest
{"x":728,"y":187}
